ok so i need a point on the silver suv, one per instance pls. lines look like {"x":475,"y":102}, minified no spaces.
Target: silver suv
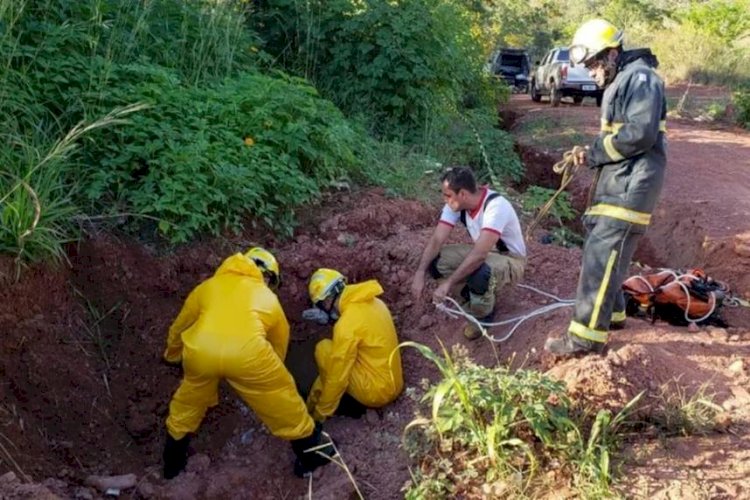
{"x":557,"y":77}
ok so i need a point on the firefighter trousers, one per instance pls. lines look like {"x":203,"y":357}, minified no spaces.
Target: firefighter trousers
{"x":607,"y":252}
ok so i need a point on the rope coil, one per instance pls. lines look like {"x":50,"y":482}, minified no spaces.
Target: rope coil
{"x":568,"y":170}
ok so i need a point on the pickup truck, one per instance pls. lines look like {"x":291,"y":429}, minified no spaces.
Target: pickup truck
{"x":557,"y":77}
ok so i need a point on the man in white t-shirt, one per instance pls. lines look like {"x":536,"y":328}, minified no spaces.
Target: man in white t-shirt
{"x":496,"y":259}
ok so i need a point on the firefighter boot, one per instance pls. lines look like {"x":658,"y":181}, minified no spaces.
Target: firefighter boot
{"x":175,"y":456}
{"x":570,"y":345}
{"x":307,"y":461}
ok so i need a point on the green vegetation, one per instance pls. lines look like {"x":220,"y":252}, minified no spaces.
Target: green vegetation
{"x":741,"y":100}
{"x":556,"y":134}
{"x":245,"y":114}
{"x":561,"y":210}
{"x":680,"y":412}
{"x":498,"y":433}
{"x":250,"y":110}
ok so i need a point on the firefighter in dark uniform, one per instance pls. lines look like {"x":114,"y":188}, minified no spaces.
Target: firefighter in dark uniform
{"x":631,"y":156}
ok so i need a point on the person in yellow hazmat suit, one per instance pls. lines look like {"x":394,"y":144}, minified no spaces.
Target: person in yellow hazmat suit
{"x":232,"y":327}
{"x":360,"y":367}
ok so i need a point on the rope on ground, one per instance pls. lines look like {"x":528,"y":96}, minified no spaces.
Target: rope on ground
{"x":457,"y":311}
{"x":568,"y":170}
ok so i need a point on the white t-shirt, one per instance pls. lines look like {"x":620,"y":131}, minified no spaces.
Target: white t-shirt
{"x":498,"y":216}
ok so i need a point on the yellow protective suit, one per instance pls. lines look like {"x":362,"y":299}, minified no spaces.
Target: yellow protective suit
{"x":362,"y":358}
{"x":232,"y":327}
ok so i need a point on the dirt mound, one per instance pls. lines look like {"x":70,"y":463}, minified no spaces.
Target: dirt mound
{"x":613,"y":380}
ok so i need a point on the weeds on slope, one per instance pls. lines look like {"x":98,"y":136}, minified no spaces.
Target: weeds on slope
{"x":498,"y":433}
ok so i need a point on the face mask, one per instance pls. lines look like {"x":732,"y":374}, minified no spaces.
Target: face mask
{"x":319,"y":316}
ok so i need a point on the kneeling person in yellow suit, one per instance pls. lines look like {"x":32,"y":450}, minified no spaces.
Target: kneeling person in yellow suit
{"x":361,"y":365}
{"x":232,"y":327}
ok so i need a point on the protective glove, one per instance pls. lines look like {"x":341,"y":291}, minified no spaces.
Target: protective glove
{"x":172,"y":356}
{"x":319,"y":316}
{"x":580,"y":154}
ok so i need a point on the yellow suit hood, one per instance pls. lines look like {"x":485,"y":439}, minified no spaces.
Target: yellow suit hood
{"x":241,"y":265}
{"x":361,"y":292}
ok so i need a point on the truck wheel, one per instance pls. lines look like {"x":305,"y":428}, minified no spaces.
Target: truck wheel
{"x":577,"y":99}
{"x":554,"y":96}
{"x":535,"y":95}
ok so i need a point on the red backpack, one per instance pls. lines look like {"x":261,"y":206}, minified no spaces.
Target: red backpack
{"x":678,"y":297}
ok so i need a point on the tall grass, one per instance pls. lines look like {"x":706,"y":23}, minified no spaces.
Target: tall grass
{"x":36,"y":196}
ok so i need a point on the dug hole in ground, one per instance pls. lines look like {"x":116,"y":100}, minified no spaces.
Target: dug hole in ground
{"x":82,"y":391}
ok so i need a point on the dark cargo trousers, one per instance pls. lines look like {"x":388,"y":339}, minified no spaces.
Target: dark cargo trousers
{"x":607,"y":252}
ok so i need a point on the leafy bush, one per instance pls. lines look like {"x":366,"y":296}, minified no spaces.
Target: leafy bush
{"x":203,"y":41}
{"x":474,"y":139}
{"x":536,"y":196}
{"x":491,"y":432}
{"x":202,"y":159}
{"x":401,"y":63}
{"x":741,"y":100}
{"x":213,"y":147}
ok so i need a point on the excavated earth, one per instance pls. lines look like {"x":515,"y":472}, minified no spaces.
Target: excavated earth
{"x":83,"y":392}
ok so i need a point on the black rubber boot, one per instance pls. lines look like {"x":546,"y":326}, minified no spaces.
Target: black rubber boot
{"x":307,"y":462}
{"x":569,"y":345}
{"x":350,"y":407}
{"x":617,"y":325}
{"x":175,"y":456}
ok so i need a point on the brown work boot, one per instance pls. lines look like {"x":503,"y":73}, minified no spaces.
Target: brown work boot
{"x":481,"y":306}
{"x":472,"y":331}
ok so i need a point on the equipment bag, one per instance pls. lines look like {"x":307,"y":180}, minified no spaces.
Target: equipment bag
{"x":678,"y":297}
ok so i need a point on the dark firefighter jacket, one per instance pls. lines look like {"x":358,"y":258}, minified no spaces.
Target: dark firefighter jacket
{"x":631,"y":148}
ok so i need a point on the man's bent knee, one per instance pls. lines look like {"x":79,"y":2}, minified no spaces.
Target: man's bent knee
{"x":479,"y":281}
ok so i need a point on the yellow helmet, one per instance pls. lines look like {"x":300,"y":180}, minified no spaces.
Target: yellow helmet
{"x":324,"y":283}
{"x":591,"y":38}
{"x":267,"y":264}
